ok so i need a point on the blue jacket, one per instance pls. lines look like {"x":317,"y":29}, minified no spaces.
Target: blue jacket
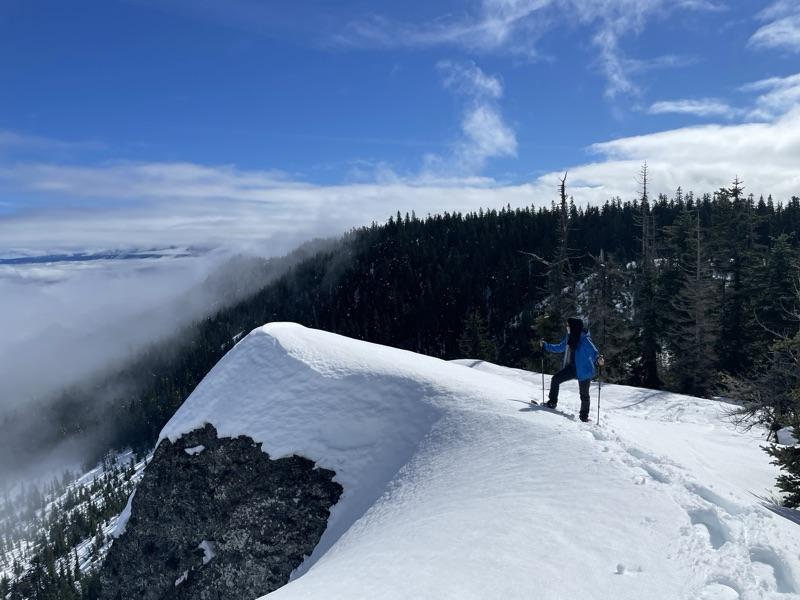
{"x":585,"y":355}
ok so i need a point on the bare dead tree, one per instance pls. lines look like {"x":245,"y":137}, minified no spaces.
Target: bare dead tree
{"x":645,"y":314}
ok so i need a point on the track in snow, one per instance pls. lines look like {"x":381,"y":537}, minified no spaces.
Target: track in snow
{"x":729,"y":541}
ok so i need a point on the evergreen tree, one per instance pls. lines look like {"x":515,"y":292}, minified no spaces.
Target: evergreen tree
{"x":733,"y":261}
{"x":775,"y":284}
{"x":90,"y":587}
{"x":787,"y":413}
{"x":474,"y":341}
{"x":608,"y":305}
{"x":693,"y":319}
{"x":770,"y":394}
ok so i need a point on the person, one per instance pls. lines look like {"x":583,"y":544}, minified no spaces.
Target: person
{"x":580,"y":356}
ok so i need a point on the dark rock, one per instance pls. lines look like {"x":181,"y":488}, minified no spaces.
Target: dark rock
{"x":261,"y":517}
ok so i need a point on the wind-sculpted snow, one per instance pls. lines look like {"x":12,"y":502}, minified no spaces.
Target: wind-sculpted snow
{"x":455,"y":487}
{"x":359,"y":409}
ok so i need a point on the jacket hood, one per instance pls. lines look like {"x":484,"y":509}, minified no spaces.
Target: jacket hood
{"x":575,"y":325}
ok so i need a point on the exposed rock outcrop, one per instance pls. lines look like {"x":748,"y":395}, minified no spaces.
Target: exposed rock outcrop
{"x":217,"y":518}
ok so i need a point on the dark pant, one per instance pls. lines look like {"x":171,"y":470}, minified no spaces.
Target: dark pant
{"x":566,"y":374}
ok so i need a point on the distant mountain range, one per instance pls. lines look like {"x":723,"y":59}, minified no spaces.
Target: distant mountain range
{"x":104,"y":255}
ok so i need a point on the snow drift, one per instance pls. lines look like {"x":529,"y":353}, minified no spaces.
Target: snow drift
{"x":455,"y":487}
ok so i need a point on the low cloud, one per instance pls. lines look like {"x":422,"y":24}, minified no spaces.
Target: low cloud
{"x":63,"y":321}
{"x":232,"y":213}
{"x":70,"y":325}
{"x":223,"y":206}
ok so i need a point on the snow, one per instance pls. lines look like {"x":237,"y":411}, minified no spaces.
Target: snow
{"x":194,"y":450}
{"x":454,"y":486}
{"x":122,"y":519}
{"x":26,"y":530}
{"x":208,"y":551}
{"x":786,"y":436}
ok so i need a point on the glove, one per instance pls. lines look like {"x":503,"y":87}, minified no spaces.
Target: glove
{"x":541,"y":344}
{"x":601,"y":361}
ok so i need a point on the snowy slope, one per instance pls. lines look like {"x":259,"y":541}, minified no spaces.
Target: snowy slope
{"x":455,"y":488}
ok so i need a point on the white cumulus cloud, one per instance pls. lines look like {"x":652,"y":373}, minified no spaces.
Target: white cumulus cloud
{"x":703,"y":159}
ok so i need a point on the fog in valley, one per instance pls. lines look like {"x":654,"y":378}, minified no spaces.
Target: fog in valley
{"x":71,"y":324}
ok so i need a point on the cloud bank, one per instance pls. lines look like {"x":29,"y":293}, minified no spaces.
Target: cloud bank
{"x":187,"y":204}
{"x":61,"y":322}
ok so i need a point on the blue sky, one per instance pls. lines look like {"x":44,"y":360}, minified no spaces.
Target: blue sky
{"x":140,"y":122}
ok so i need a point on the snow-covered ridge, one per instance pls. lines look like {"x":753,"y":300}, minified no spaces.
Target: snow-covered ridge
{"x":455,"y":487}
{"x":360,"y":409}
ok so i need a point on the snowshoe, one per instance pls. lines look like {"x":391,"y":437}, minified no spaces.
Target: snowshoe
{"x":553,"y":408}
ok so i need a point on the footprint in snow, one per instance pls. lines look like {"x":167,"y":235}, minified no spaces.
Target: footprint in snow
{"x":713,"y":498}
{"x":717,"y":590}
{"x":708,"y":520}
{"x":772,"y":569}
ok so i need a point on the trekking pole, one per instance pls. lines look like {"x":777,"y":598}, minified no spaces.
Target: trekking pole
{"x":599,"y":387}
{"x":542,"y":376}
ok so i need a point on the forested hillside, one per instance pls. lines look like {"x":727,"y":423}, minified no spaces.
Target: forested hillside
{"x":678,"y":292}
